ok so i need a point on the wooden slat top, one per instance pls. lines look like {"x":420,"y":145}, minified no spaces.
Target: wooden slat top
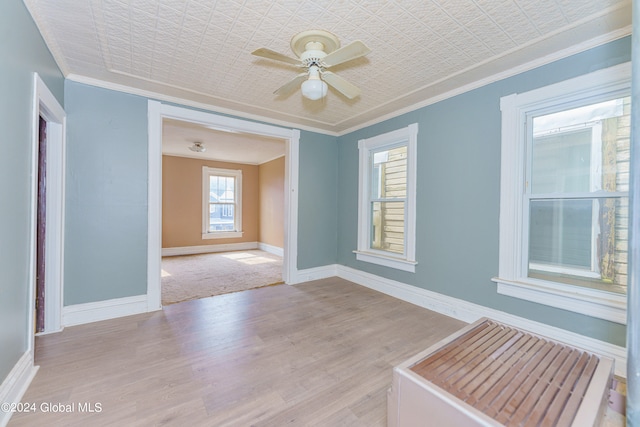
{"x":517,"y":378}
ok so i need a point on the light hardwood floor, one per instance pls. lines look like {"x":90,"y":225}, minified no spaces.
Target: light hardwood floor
{"x":320,"y":353}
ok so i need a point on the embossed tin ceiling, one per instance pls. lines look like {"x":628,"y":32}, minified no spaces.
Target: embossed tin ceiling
{"x":199,"y":51}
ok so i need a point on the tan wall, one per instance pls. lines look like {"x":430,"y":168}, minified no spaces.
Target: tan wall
{"x":271,"y":184}
{"x":182,"y":202}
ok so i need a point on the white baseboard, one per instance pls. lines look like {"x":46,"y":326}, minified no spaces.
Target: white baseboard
{"x":315,"y":273}
{"x":16,"y":383}
{"x":205,"y":249}
{"x":271,"y":249}
{"x":470,"y":312}
{"x":449,"y":306}
{"x":102,"y":310}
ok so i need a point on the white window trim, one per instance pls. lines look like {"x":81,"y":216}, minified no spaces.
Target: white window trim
{"x":237,"y":174}
{"x":406,"y":261}
{"x":512,"y":277}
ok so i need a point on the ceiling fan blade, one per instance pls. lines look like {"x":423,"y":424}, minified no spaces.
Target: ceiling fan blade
{"x":341,"y":85}
{"x":272,"y":54}
{"x":351,"y":51}
{"x":292,"y":85}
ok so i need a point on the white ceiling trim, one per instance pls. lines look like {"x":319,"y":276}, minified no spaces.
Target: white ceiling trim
{"x":178,"y":49}
{"x":538,"y":62}
{"x":216,"y":98}
{"x":611,"y":17}
{"x":564,"y":53}
{"x":189,"y":103}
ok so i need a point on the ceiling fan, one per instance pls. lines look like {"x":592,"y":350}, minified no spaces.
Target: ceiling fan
{"x":317,"y":50}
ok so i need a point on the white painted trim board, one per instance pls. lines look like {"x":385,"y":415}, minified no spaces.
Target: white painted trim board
{"x":79,"y":314}
{"x":16,"y":383}
{"x":315,"y":273}
{"x":205,"y":249}
{"x":271,"y":249}
{"x":46,"y":105}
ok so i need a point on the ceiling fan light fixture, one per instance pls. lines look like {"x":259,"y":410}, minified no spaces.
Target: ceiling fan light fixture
{"x":317,"y":50}
{"x":198,"y":147}
{"x":314,"y":88}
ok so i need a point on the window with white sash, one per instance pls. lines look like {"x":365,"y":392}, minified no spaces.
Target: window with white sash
{"x":221,"y":203}
{"x":564,"y":194}
{"x":387,"y":197}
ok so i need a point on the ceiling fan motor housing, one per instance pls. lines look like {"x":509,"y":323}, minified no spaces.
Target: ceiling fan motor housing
{"x":313,"y":54}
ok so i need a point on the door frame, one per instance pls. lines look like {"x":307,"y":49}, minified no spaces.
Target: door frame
{"x":46,"y":105}
{"x":158,"y":111}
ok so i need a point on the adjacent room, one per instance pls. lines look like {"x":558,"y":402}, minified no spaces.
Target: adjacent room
{"x":319,"y":213}
{"x":222,"y":211}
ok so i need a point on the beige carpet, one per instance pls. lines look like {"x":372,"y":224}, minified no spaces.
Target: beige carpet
{"x":198,"y":276}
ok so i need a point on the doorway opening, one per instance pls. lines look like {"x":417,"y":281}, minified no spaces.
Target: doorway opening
{"x":157,"y":113}
{"x":41,"y":226}
{"x":47,"y":207}
{"x":222,"y":211}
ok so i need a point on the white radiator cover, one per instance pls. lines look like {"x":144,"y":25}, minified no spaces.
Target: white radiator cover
{"x":492,"y":355}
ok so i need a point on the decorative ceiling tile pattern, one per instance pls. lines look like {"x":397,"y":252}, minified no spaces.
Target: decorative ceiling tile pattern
{"x":200,"y":50}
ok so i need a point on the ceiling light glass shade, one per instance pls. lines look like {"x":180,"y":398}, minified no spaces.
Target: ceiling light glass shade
{"x":314,"y":89}
{"x":198,"y":147}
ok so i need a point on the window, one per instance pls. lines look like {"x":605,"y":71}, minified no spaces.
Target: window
{"x":221,"y":203}
{"x":564,"y":194}
{"x":387,"y":194}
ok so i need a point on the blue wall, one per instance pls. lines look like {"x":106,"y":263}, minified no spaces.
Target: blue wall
{"x":317,"y":200}
{"x":106,"y":195}
{"x":22,"y":52}
{"x":458,"y":186}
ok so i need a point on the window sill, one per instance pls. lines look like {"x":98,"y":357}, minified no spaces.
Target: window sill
{"x":590,"y":302}
{"x":386,"y":261}
{"x":222,"y":235}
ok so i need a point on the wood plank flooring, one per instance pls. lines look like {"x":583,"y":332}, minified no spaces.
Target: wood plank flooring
{"x":316,"y":354}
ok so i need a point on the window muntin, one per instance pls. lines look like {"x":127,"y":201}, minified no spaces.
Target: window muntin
{"x":386,"y":210}
{"x":222,"y":210}
{"x":576,"y":195}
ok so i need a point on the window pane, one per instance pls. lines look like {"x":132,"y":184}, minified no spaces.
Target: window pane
{"x":561,"y":233}
{"x":222,"y":189}
{"x":562,"y":162}
{"x":221,"y":217}
{"x":213,"y":188}
{"x":389,"y":173}
{"x":582,"y":149}
{"x":580,"y":241}
{"x":221,"y":206}
{"x":222,"y":202}
{"x":387,"y":226}
{"x":230,"y":187}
